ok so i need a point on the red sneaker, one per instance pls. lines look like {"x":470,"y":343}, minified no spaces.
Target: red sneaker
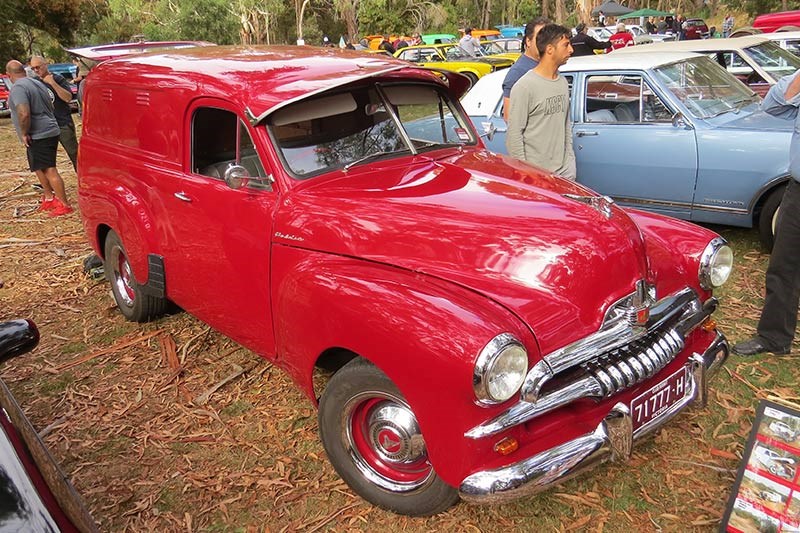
{"x":59,"y":209}
{"x":46,"y":205}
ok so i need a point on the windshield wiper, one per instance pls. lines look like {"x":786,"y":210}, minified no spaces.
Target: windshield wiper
{"x":744,"y":101}
{"x":429,"y":144}
{"x":373,"y":155}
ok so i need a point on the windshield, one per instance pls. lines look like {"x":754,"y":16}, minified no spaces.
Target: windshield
{"x":774,"y":59}
{"x":341,"y":130}
{"x":704,"y":87}
{"x":456,"y":52}
{"x":489,"y":47}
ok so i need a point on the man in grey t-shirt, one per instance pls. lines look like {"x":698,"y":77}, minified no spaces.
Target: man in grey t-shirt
{"x":539,"y":129}
{"x":32,"y":114}
{"x":469,"y":44}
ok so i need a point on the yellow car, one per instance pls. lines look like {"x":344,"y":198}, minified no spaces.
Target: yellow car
{"x":496,"y":49}
{"x":449,"y":57}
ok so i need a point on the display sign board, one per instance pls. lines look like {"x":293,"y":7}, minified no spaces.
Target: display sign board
{"x":766,"y":495}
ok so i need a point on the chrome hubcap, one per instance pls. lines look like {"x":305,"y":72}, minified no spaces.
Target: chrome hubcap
{"x":123,"y":277}
{"x":382,"y":436}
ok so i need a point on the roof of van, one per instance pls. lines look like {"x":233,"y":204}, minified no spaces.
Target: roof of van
{"x":261,"y":79}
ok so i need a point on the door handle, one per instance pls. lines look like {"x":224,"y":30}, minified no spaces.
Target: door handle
{"x":586,"y":133}
{"x":182,"y":197}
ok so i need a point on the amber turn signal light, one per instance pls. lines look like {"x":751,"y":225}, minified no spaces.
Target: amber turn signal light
{"x":506,"y":446}
{"x":709,"y":324}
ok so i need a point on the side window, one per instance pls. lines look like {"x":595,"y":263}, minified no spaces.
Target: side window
{"x":737,"y":66}
{"x":653,"y":107}
{"x":220,"y":139}
{"x":410,"y":55}
{"x":626,"y":99}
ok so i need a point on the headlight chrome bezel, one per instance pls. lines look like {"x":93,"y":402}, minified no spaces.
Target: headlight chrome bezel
{"x":486,"y":361}
{"x":716,"y":249}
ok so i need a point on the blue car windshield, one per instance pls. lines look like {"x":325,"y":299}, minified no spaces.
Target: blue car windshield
{"x":705,"y":88}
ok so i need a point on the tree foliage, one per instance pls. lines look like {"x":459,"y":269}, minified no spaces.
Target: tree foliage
{"x":27,"y":23}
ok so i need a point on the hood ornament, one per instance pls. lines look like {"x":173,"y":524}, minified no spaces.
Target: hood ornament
{"x":601,"y":204}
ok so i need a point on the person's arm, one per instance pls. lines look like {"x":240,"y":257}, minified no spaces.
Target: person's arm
{"x":594,"y":44}
{"x":508,"y":82}
{"x":61,"y":92}
{"x":517,"y":122}
{"x":782,"y":99}
{"x":24,"y":121}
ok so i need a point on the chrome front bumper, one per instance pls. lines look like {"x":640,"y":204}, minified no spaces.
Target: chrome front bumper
{"x":611,"y":440}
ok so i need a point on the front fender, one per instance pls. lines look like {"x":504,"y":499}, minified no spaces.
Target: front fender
{"x":673,"y":248}
{"x":423,"y":333}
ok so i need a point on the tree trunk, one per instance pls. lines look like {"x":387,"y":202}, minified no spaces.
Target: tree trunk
{"x":560,"y":11}
{"x":546,"y":8}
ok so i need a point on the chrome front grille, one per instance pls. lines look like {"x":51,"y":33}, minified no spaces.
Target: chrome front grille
{"x":627,"y":366}
{"x":620,"y":355}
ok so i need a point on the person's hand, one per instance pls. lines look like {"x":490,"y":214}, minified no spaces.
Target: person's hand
{"x":49,"y":79}
{"x":26,"y":140}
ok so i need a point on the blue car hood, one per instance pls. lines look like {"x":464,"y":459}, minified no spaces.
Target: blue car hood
{"x":753,"y":118}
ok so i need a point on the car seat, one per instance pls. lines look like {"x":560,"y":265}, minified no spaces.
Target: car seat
{"x":624,"y":113}
{"x":601,"y":115}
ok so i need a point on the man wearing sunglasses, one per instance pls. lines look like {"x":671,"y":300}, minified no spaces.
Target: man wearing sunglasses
{"x":62,"y":96}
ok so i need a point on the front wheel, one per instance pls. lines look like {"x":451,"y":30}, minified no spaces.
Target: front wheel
{"x":768,"y":219}
{"x":133,"y":302}
{"x":373,"y":440}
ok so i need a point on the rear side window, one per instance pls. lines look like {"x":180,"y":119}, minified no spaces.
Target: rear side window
{"x":221,"y":139}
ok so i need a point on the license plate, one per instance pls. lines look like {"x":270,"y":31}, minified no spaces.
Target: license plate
{"x":654,"y":402}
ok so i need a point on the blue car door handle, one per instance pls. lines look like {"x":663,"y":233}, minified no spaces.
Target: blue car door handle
{"x":586,"y":133}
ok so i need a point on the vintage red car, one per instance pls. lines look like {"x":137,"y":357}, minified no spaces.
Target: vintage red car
{"x":491,"y":329}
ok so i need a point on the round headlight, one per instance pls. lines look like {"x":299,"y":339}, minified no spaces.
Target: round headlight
{"x":500,"y":369}
{"x":716,"y":264}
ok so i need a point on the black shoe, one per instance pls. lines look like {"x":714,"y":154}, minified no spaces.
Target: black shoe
{"x":755,"y":346}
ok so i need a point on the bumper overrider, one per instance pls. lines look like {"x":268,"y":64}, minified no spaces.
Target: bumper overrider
{"x":612,"y":439}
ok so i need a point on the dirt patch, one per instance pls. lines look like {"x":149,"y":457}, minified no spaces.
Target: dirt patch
{"x":117,"y":403}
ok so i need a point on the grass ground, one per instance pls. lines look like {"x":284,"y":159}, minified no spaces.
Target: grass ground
{"x":147,"y":456}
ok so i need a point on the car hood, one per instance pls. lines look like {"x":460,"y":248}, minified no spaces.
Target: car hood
{"x":490,"y":223}
{"x":753,"y":118}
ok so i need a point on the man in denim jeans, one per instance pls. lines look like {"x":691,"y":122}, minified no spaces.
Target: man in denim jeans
{"x":778,"y":321}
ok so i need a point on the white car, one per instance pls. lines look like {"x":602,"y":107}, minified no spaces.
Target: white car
{"x":782,"y":431}
{"x":755,"y":60}
{"x":788,"y":40}
{"x":775,"y":463}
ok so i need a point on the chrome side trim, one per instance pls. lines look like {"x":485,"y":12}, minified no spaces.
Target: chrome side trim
{"x":611,"y":440}
{"x":680,"y":205}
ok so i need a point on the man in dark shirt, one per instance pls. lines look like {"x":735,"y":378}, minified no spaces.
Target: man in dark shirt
{"x":526,"y":62}
{"x":62,"y":96}
{"x":32,"y":115}
{"x":584,"y":44}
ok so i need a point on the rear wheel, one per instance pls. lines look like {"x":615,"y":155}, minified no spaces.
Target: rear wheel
{"x":133,"y":302}
{"x":768,"y":218}
{"x":373,"y":440}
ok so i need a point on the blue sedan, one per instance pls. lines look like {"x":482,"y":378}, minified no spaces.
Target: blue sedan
{"x":672,"y":133}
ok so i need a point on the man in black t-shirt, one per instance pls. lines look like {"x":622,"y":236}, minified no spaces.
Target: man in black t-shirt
{"x":62,"y":96}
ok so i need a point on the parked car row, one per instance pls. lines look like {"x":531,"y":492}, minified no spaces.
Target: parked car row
{"x":670,"y":132}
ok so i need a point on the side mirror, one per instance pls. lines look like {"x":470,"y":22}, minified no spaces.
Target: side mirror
{"x":679,"y":121}
{"x":16,"y":338}
{"x":489,"y":129}
{"x":236,"y":176}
